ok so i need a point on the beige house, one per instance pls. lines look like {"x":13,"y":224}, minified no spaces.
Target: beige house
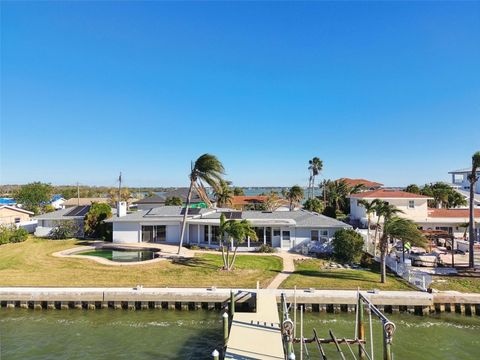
{"x":415,"y":208}
{"x":13,"y":215}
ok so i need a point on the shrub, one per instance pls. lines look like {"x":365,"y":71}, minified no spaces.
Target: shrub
{"x":94,"y":221}
{"x":48,"y":208}
{"x":64,"y":230}
{"x":173,"y":200}
{"x":12,"y":234}
{"x":314,"y":204}
{"x":347,"y":245}
{"x":366,"y":261}
{"x":265,"y":249}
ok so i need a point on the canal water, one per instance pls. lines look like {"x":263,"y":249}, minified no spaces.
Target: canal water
{"x":154,"y":334}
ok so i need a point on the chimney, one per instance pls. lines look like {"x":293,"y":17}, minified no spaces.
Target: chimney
{"x":121,"y":208}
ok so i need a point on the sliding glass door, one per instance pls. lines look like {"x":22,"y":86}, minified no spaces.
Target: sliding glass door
{"x":154,"y":233}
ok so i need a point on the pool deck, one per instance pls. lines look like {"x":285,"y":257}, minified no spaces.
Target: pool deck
{"x":251,"y":332}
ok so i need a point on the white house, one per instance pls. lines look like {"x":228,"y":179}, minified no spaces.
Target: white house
{"x":285,"y":229}
{"x":414,"y":207}
{"x":57,"y":202}
{"x":460,"y":179}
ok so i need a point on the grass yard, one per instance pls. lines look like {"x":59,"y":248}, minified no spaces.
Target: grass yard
{"x":31,"y":264}
{"x":311,"y":274}
{"x":457,"y":283}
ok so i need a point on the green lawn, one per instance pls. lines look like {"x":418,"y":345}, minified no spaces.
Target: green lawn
{"x":31,"y":264}
{"x":457,"y":283}
{"x":312,"y":274}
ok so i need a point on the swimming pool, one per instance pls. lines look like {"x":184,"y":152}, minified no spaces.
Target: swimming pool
{"x":121,"y":255}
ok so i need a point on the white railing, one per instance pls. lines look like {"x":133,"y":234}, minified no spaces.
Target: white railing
{"x":415,"y":277}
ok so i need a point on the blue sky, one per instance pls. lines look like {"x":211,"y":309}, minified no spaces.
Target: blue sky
{"x":386,"y":91}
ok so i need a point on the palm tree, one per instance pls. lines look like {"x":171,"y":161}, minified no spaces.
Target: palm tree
{"x":238,"y":232}
{"x":206,"y":168}
{"x":387,"y":211}
{"x":472,"y":178}
{"x":315,"y":166}
{"x":223,"y":194}
{"x":395,"y":227}
{"x":370,"y":208}
{"x":294,"y":196}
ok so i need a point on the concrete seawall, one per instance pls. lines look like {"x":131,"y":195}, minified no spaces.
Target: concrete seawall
{"x":196,"y":298}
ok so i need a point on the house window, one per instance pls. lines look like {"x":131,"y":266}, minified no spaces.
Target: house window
{"x":411,"y":204}
{"x":276,"y":232}
{"x":286,"y":235}
{"x":160,"y":233}
{"x":323,"y":236}
{"x":17,"y":220}
{"x":155,"y":233}
{"x":314,"y":235}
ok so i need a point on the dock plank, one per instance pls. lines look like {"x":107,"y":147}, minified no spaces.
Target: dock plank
{"x":256,"y":335}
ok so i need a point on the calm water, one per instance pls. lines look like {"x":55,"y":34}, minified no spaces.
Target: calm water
{"x":153,"y":334}
{"x":121,"y":255}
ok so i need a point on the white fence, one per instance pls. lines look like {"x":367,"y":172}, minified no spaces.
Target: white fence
{"x":415,"y":277}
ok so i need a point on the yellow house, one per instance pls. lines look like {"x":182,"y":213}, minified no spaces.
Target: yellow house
{"x":13,"y":215}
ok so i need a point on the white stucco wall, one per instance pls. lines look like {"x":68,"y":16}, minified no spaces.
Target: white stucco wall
{"x":418,"y":213}
{"x":126,"y":232}
{"x":173,"y":233}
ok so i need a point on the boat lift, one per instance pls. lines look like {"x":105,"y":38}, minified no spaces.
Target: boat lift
{"x":288,"y":329}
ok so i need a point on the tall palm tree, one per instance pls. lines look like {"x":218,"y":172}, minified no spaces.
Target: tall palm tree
{"x":387,"y":211}
{"x":294,"y":196}
{"x":472,"y":178}
{"x":315,"y":166}
{"x":238,"y":232}
{"x":206,"y":168}
{"x":223,"y":194}
{"x":370,"y":208}
{"x":401,"y":229}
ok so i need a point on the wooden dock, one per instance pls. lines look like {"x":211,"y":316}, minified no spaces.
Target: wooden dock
{"x":257,"y":335}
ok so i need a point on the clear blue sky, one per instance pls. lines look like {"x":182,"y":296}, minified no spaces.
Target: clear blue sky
{"x":386,"y":91}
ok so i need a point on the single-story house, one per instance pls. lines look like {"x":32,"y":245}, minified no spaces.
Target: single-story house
{"x":159,"y":200}
{"x":48,"y":221}
{"x":13,"y":215}
{"x":285,"y":230}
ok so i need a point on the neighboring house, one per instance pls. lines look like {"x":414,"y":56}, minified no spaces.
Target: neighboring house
{"x":57,"y":201}
{"x":285,"y":230}
{"x":182,"y":193}
{"x":415,"y":208}
{"x":13,"y":215}
{"x":451,"y":220}
{"x":460,"y":180}
{"x":367,"y":184}
{"x":85,"y":201}
{"x":48,"y":221}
